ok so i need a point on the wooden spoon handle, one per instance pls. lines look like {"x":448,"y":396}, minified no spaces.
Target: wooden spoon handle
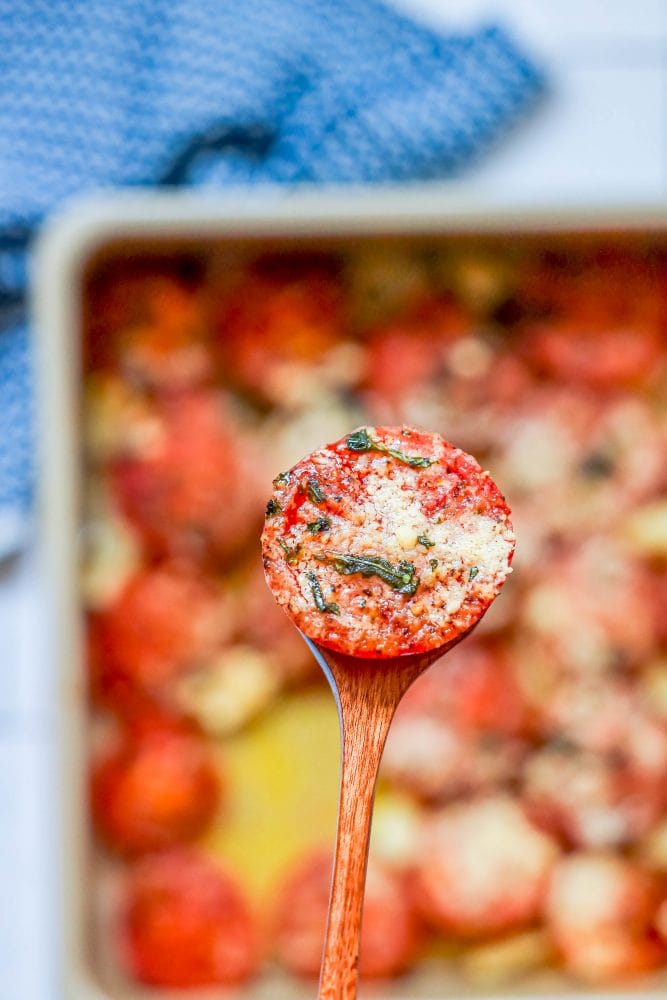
{"x":365,"y":716}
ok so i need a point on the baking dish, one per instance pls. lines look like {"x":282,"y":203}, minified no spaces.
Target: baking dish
{"x":163,"y":224}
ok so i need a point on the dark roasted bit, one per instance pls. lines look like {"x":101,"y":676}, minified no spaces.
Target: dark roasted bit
{"x":273,"y":508}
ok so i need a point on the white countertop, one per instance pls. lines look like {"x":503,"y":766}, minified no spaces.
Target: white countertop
{"x":600,"y":135}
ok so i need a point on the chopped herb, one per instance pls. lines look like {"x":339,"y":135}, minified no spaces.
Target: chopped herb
{"x":273,"y":508}
{"x":315,"y":491}
{"x":362,"y":602}
{"x":433,"y":563}
{"x":291,"y":554}
{"x":318,"y":597}
{"x":321,"y":524}
{"x":400,"y":578}
{"x":362,"y":441}
{"x":426,"y":542}
{"x":281,"y":479}
{"x":474,"y":570}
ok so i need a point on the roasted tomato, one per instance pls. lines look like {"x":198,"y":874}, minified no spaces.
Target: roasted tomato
{"x":606,"y":715}
{"x":459,"y":727}
{"x":411,"y":352}
{"x":278,"y":323}
{"x":474,"y":687}
{"x":166,"y":620}
{"x":602,"y":781}
{"x":431,"y":368}
{"x":166,"y":346}
{"x":389,"y":541}
{"x":595,"y":354}
{"x":185,"y":923}
{"x":194,"y":492}
{"x":578,"y":464}
{"x":390,"y":933}
{"x":592,"y":799}
{"x":608,"y":594}
{"x":599,"y":910}
{"x":482,"y":868}
{"x":601,"y":326}
{"x":436,"y":760}
{"x":157,"y":786}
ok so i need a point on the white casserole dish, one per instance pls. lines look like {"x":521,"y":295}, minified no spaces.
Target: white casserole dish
{"x":160,"y":221}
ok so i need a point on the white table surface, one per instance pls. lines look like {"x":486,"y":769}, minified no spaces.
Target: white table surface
{"x":600,"y":135}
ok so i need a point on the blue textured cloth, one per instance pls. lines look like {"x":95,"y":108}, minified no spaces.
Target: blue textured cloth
{"x":96,"y":93}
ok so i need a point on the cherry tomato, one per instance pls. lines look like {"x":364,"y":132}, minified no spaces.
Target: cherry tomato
{"x":195,"y":491}
{"x":186,"y":923}
{"x":166,"y":347}
{"x":280,"y":319}
{"x":156,"y":787}
{"x":483,"y":868}
{"x":599,"y":910}
{"x":165,"y":620}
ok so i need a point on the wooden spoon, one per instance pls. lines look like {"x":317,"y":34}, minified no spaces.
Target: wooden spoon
{"x":367,"y":693}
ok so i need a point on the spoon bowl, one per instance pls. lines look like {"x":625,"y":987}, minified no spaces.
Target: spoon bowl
{"x":367,"y":692}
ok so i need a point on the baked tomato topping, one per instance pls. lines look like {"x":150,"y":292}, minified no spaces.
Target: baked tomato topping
{"x":389,"y":541}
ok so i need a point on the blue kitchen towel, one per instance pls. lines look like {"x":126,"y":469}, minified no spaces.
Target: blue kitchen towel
{"x":100,"y":93}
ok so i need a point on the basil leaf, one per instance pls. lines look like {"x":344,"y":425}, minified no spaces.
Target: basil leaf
{"x":414,"y":461}
{"x":426,"y":542}
{"x":321,"y":524}
{"x":315,"y":491}
{"x":400,"y":578}
{"x":318,"y":596}
{"x":361,"y":440}
{"x":291,"y":554}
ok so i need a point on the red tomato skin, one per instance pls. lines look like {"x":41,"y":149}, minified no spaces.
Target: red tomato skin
{"x":166,"y":620}
{"x":195,"y":493}
{"x":157,"y":787}
{"x":279,"y":318}
{"x":185,"y":923}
